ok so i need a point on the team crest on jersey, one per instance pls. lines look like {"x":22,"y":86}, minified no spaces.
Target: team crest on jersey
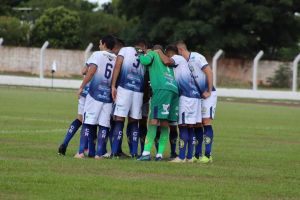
{"x":166,"y":108}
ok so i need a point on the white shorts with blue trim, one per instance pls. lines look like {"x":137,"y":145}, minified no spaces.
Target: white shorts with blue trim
{"x":81,"y":102}
{"x":97,"y":112}
{"x":189,"y":110}
{"x":209,"y":106}
{"x":128,"y":103}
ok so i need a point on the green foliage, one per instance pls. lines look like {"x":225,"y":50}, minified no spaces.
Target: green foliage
{"x":60,"y":26}
{"x":94,"y":25}
{"x":282,"y":77}
{"x":240,"y":27}
{"x":14,"y":31}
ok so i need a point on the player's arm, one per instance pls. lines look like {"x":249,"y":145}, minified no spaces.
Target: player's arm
{"x":92,"y":68}
{"x":209,"y":77}
{"x":84,"y":69}
{"x":115,"y":76}
{"x":146,"y":59}
{"x":165,"y":59}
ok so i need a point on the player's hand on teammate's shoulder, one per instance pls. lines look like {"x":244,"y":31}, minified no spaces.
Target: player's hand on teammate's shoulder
{"x":206,"y":94}
{"x":114,"y":93}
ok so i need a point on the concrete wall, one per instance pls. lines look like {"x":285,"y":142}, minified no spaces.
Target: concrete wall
{"x":70,"y":62}
{"x":240,"y":71}
{"x":22,"y":59}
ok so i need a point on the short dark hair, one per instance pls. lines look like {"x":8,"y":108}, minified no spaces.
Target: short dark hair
{"x":141,"y":42}
{"x":157,"y":46}
{"x":120,"y":42}
{"x":109,"y":41}
{"x":173,"y":48}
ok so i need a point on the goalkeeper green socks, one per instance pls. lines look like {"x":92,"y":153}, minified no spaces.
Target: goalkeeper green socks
{"x":149,"y":139}
{"x":164,"y":138}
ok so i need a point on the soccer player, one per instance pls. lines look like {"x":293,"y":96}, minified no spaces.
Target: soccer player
{"x":128,"y":74}
{"x":204,"y":78}
{"x":75,"y":125}
{"x":189,"y":102}
{"x":163,"y":103}
{"x":98,"y":105}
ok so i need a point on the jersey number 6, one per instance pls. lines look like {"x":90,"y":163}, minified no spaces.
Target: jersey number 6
{"x":107,"y":72}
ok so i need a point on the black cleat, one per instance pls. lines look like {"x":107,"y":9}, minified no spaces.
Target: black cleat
{"x":62,"y":150}
{"x":173,"y":155}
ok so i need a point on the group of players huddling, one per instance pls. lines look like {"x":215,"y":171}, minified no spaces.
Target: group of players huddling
{"x":157,"y":91}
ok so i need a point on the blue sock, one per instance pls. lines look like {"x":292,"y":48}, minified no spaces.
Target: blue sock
{"x":129,"y":136}
{"x":191,"y":143}
{"x":208,"y":139}
{"x":92,"y":141}
{"x":110,"y":135}
{"x":173,"y":140}
{"x":199,"y":141}
{"x":71,"y":131}
{"x":117,"y":136}
{"x":84,"y":134}
{"x":102,"y":138}
{"x":157,"y":138}
{"x":134,"y":138}
{"x":143,"y":132}
{"x":184,"y":136}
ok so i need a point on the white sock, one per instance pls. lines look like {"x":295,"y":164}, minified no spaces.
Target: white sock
{"x":146,"y":153}
{"x":159,"y":155}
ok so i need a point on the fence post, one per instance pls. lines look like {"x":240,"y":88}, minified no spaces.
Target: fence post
{"x":42,"y":59}
{"x":1,"y":41}
{"x":86,"y":52}
{"x":255,"y":64}
{"x":214,"y":65}
{"x":295,"y":72}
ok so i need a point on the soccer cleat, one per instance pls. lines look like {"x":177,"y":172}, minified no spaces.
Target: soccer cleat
{"x":173,"y":155}
{"x":79,"y":155}
{"x":195,"y":159}
{"x":144,"y":158}
{"x":189,"y":160}
{"x":177,"y":160}
{"x":123,"y":155}
{"x":107,"y":155}
{"x":98,"y":157}
{"x":205,"y":159}
{"x":62,"y":150}
{"x":159,"y":158}
{"x":114,"y":156}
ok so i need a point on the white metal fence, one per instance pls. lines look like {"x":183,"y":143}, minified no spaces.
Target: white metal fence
{"x":226,"y":92}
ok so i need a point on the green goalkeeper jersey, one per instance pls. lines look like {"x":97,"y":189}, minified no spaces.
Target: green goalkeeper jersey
{"x":161,"y":76}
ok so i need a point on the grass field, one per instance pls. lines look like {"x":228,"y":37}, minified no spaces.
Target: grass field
{"x":256,"y":155}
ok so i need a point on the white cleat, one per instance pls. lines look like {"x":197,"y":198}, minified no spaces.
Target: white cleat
{"x":79,"y":155}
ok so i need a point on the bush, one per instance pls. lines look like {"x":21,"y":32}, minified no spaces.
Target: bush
{"x":282,"y":78}
{"x":14,"y":31}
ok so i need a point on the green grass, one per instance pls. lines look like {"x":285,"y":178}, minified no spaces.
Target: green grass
{"x":256,"y":155}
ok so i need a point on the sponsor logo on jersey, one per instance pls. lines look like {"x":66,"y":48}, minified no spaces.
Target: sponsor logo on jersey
{"x":166,"y":108}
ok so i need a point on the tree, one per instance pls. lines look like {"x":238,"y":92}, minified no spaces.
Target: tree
{"x":240,"y":27}
{"x":14,"y":31}
{"x":60,"y":26}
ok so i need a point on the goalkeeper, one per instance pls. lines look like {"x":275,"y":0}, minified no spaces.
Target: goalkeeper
{"x":163,"y":104}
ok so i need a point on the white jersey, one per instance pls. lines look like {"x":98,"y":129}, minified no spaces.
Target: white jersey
{"x":100,"y":86}
{"x":132,"y":71}
{"x":183,"y":76}
{"x":197,"y":63}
